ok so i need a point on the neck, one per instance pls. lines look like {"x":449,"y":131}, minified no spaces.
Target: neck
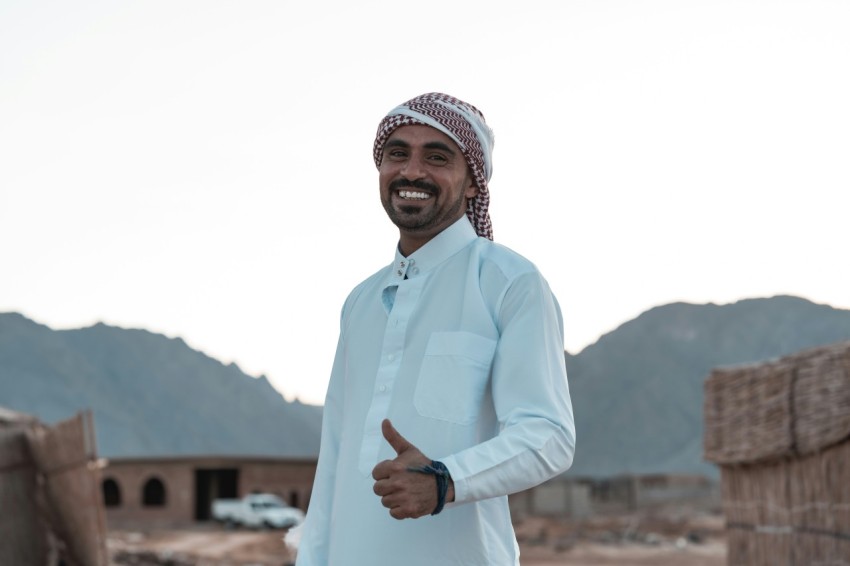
{"x":407,"y":243}
{"x":411,"y":240}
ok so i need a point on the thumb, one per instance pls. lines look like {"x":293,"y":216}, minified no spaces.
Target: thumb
{"x":396,"y":440}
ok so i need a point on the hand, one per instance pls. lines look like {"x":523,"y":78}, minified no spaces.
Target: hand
{"x":408,"y":495}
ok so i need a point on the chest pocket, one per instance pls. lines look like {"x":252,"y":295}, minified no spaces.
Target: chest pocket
{"x":454,"y":376}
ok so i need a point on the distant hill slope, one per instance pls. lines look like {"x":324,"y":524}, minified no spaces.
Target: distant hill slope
{"x":151,"y":395}
{"x":637,"y":392}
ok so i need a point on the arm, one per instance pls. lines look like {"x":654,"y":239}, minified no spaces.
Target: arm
{"x":531,"y":398}
{"x":313,"y":548}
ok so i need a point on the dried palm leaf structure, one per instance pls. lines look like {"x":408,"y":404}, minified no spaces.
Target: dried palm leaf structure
{"x":780,"y":432}
{"x":50,"y":505}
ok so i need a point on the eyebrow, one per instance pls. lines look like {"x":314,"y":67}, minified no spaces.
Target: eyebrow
{"x":430,"y":145}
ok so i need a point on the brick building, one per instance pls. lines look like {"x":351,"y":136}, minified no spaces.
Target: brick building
{"x":180,"y":490}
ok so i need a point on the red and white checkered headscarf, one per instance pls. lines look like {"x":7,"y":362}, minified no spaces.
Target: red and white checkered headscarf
{"x":465,"y":125}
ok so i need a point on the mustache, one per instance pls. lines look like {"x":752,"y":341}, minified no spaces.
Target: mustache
{"x":417,"y":184}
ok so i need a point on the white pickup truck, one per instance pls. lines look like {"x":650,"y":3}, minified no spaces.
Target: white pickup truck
{"x":257,"y":510}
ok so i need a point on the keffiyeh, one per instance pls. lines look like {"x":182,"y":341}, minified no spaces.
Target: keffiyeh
{"x":465,"y":125}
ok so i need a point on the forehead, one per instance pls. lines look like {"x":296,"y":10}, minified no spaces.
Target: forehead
{"x":418,"y":135}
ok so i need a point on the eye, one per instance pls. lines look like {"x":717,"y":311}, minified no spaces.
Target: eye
{"x":396,"y":154}
{"x":437,"y":158}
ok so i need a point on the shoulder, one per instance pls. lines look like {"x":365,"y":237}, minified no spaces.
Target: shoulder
{"x":509,"y":282}
{"x":503,"y":260}
{"x":374,"y":281}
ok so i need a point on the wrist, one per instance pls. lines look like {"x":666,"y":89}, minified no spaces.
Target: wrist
{"x":444,"y":482}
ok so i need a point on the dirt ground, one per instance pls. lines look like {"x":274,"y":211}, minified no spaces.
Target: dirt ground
{"x":632,"y":540}
{"x":638,"y":540}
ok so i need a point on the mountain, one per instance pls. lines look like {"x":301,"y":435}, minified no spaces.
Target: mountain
{"x":151,"y":395}
{"x":638,"y":391}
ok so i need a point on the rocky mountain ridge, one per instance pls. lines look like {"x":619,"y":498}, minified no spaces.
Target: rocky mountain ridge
{"x":637,"y":392}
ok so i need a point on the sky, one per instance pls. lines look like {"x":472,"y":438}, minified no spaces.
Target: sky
{"x":203,"y":169}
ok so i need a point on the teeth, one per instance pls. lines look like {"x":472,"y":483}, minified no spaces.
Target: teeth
{"x":413,"y":195}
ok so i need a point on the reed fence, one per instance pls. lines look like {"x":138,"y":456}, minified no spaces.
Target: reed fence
{"x":780,"y":432}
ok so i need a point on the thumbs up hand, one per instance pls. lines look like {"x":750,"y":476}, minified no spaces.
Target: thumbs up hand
{"x":399,"y":443}
{"x":408,"y":495}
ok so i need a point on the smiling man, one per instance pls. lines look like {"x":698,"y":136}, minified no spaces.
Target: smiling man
{"x":425,"y":184}
{"x":448,"y":390}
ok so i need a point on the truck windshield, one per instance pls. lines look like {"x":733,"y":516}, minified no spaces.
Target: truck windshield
{"x":266,"y":505}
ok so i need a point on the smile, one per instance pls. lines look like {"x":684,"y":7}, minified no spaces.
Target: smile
{"x":413,"y":195}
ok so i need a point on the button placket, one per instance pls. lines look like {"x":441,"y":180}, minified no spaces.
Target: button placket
{"x":406,"y":297}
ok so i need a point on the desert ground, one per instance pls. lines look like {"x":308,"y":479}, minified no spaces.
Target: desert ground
{"x":638,"y":540}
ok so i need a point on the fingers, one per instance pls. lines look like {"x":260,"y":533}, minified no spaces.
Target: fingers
{"x":382,"y":470}
{"x":383,"y":487}
{"x":396,"y":440}
{"x":400,"y":508}
{"x":403,"y":511}
{"x":391,"y":499}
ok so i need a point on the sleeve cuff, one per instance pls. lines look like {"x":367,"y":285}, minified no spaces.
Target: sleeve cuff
{"x":460,"y":484}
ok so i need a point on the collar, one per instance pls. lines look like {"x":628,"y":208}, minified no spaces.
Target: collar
{"x":440,"y":248}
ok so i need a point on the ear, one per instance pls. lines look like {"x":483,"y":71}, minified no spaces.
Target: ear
{"x":471,"y":188}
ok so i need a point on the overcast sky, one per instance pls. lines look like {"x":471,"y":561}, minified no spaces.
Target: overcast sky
{"x":203,"y":169}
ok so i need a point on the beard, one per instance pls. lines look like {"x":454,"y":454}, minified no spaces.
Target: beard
{"x":419,"y":218}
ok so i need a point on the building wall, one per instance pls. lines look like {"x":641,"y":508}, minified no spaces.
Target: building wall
{"x":552,"y":499}
{"x":561,"y":498}
{"x":662,"y":491}
{"x":177,"y":478}
{"x":292,"y":480}
{"x":577,"y":498}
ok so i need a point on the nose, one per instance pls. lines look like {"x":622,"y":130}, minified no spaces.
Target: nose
{"x":413,"y":169}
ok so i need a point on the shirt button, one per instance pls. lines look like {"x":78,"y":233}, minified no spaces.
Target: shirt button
{"x":415,"y":270}
{"x":383,"y":388}
{"x":391,"y":357}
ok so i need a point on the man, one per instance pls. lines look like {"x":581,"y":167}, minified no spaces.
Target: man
{"x":448,"y":390}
